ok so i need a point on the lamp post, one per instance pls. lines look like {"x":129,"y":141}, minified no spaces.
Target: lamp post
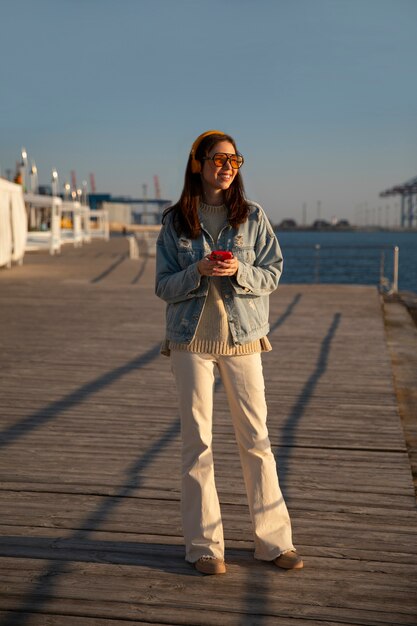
{"x":67,"y":190}
{"x":84,"y":196}
{"x":34,"y":178}
{"x":23,"y":168}
{"x":54,"y":182}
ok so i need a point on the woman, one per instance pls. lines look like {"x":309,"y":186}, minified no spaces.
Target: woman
{"x":217,"y":316}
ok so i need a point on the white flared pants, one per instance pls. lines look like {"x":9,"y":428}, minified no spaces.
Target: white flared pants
{"x":243,"y":380}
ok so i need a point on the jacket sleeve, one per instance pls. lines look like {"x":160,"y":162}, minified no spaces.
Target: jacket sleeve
{"x":173,"y":284}
{"x":262,"y":277}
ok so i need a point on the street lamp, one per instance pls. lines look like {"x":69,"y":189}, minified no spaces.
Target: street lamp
{"x":84,"y":197}
{"x":54,"y":182}
{"x":34,"y":178}
{"x":67,"y":190}
{"x":23,"y":168}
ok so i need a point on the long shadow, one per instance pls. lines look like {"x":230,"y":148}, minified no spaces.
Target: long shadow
{"x":288,"y":311}
{"x":132,"y":482}
{"x":291,"y":423}
{"x":159,"y":556}
{"x":110,"y":269}
{"x":278,"y":322}
{"x":46,"y":584}
{"x":52,"y":410}
{"x":141,"y":271}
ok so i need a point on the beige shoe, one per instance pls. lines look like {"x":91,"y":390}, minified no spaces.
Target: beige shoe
{"x":289,"y":560}
{"x":208,"y":564}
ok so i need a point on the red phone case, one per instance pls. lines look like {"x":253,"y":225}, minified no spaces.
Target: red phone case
{"x":220,"y":255}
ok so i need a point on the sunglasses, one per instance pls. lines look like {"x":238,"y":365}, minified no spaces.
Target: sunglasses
{"x":220,"y":158}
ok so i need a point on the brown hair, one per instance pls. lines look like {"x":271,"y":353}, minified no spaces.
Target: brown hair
{"x":185,"y":211}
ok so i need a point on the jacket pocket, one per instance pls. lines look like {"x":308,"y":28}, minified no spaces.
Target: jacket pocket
{"x":245,"y":254}
{"x":187,"y":257}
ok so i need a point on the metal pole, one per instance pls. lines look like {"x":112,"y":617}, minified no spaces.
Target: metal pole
{"x":34,"y":178}
{"x":23,"y":169}
{"x":395,"y":270}
{"x":381,"y":270}
{"x":84,"y":196}
{"x":410,"y":210}
{"x":317,"y":264}
{"x":54,"y":182}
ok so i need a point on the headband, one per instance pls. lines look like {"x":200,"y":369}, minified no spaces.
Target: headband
{"x":196,"y":165}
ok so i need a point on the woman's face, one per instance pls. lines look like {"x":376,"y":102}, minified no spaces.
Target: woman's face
{"x":218,"y":178}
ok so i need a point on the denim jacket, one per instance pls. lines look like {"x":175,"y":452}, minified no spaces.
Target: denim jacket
{"x":245,"y":295}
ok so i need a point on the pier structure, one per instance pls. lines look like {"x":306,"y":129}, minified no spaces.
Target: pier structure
{"x":408,"y":193}
{"x":90,"y":530}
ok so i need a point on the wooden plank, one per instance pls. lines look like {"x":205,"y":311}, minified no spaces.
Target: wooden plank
{"x":96,"y":589}
{"x":90,"y":527}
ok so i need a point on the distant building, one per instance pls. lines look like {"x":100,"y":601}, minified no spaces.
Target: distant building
{"x":342,"y":224}
{"x":45,"y":190}
{"x":320,"y":225}
{"x":129,"y":211}
{"x":287,"y":224}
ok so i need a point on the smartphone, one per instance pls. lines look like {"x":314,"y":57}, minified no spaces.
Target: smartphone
{"x":220,"y":255}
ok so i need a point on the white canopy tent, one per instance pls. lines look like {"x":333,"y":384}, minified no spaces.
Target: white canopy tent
{"x":13,"y":223}
{"x":44,"y":235}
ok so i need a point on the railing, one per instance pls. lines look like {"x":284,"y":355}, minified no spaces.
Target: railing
{"x":369,"y":265}
{"x":44,"y":221}
{"x":53,"y":222}
{"x":133,"y":247}
{"x":143,"y":241}
{"x":99,"y":227}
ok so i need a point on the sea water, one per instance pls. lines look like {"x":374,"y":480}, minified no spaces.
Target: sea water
{"x":346,"y":257}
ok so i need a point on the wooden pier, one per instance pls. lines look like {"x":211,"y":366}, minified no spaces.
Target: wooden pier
{"x":89,"y":468}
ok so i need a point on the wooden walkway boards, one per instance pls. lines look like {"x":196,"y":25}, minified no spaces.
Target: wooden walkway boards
{"x":89,"y":466}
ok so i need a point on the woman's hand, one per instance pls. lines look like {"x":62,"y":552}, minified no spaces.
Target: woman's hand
{"x":206,"y":267}
{"x":228,"y":267}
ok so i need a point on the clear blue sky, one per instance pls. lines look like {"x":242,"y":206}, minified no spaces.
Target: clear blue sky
{"x":321,"y":95}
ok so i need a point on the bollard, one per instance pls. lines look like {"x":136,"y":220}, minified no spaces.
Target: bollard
{"x":133,"y":248}
{"x":395,"y":270}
